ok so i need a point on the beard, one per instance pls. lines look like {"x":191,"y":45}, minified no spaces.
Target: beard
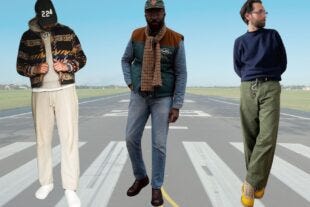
{"x":259,"y":24}
{"x":155,"y":25}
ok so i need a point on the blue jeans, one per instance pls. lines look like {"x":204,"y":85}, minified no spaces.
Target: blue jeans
{"x":138,"y":113}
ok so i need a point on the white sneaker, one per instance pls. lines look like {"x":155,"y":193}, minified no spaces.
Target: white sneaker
{"x":72,"y":198}
{"x":43,"y":191}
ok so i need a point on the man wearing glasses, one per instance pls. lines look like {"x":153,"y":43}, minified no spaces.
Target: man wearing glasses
{"x":154,"y":69}
{"x":259,"y":60}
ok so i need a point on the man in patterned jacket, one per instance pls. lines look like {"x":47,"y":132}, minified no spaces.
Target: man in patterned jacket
{"x":154,"y":69}
{"x":50,"y":54}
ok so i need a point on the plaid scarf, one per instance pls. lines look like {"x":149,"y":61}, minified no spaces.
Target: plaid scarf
{"x":151,"y":75}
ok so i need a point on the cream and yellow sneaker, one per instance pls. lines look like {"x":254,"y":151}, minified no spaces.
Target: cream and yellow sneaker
{"x":259,"y":193}
{"x":247,"y":197}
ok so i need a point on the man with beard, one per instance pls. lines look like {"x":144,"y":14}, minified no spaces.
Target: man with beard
{"x":259,"y":60}
{"x":50,"y":54}
{"x":154,"y":69}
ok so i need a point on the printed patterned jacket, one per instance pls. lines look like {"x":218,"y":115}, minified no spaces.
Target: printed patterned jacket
{"x":66,"y":47}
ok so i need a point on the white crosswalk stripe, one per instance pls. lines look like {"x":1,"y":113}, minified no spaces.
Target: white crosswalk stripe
{"x":22,"y":177}
{"x":297,"y":148}
{"x":214,"y":175}
{"x":295,"y":178}
{"x":98,"y":182}
{"x":14,"y":148}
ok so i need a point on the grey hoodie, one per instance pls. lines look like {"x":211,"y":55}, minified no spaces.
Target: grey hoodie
{"x":51,"y":78}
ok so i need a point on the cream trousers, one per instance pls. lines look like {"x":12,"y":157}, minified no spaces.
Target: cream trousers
{"x":62,"y":106}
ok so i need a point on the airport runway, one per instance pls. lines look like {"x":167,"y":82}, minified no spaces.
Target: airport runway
{"x":205,"y":165}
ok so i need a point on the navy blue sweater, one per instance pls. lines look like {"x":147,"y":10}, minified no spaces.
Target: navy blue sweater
{"x":259,"y":54}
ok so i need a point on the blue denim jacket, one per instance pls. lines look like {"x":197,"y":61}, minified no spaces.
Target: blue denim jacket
{"x":180,"y":72}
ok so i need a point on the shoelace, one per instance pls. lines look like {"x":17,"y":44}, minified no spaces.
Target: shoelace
{"x":248,"y":190}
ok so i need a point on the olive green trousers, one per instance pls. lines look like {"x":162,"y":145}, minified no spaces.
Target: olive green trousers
{"x":259,"y":112}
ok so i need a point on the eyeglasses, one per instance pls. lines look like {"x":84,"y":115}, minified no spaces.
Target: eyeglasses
{"x":260,"y":12}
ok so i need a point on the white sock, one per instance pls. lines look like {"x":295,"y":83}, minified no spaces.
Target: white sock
{"x":72,"y":198}
{"x":43,"y":191}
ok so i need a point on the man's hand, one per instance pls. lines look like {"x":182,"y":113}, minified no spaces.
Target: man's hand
{"x":41,"y":69}
{"x":130,"y":87}
{"x":60,"y":67}
{"x":173,"y":115}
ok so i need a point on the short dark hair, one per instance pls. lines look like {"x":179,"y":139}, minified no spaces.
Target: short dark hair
{"x":247,"y":8}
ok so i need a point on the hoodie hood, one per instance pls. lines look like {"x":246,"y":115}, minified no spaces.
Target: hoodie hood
{"x":34,"y":26}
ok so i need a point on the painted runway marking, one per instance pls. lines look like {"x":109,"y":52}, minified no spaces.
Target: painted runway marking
{"x":98,"y":182}
{"x":194,"y":113}
{"x":14,"y":148}
{"x":81,"y":103}
{"x":225,"y":102}
{"x":297,"y":148}
{"x":185,"y":101}
{"x":235,"y":104}
{"x":168,"y":198}
{"x":115,"y":113}
{"x":295,"y":178}
{"x":124,"y":101}
{"x":171,"y":127}
{"x":184,"y":113}
{"x":299,"y":117}
{"x":22,"y":177}
{"x":101,"y":99}
{"x":14,"y":116}
{"x":219,"y":181}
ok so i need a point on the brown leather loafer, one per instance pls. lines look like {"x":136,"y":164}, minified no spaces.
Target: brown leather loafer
{"x":137,"y":186}
{"x":157,"y":197}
